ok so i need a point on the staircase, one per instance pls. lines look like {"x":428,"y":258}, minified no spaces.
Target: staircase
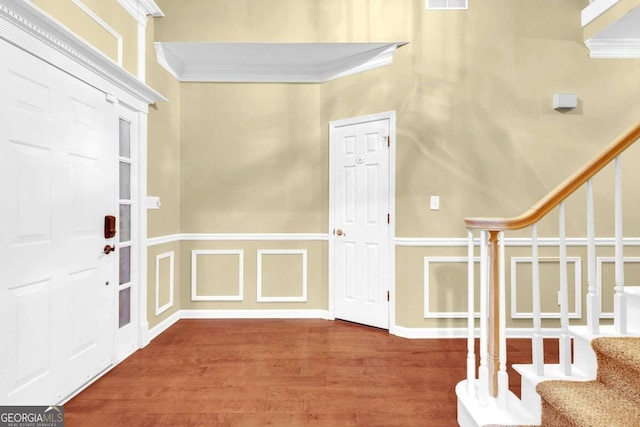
{"x":598,"y":373}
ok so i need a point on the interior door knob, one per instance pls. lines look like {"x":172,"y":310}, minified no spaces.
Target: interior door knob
{"x":339,"y":232}
{"x":108,"y":249}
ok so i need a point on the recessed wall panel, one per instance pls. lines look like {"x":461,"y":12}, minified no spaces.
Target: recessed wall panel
{"x":373,"y":278}
{"x":32,"y":347}
{"x":282,"y":275}
{"x":372,"y":187}
{"x":349,"y":191}
{"x":350,"y":271}
{"x":217,"y":275}
{"x":32,"y":190}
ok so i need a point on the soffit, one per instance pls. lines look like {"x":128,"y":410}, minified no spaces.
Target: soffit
{"x":271,"y":62}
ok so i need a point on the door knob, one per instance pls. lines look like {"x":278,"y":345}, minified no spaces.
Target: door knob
{"x":339,"y":232}
{"x":108,"y":249}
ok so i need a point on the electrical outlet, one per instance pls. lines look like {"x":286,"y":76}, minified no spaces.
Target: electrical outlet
{"x":434,"y":203}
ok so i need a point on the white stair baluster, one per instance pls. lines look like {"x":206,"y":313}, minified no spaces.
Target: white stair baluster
{"x":483,"y":370}
{"x":619,"y":301}
{"x":594,"y":299}
{"x":537,"y":343}
{"x":565,"y":337}
{"x":471,"y":355}
{"x":503,"y":377}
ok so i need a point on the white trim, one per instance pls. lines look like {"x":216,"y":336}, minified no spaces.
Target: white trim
{"x":437,"y":242}
{"x":163,"y":240}
{"x":303,"y":253}
{"x":238,"y":237}
{"x":108,"y":28}
{"x":391,"y":116}
{"x":462,"y":333}
{"x":164,"y":325}
{"x":194,"y":276}
{"x":443,"y":314}
{"x":169,"y":304}
{"x":413,"y":242}
{"x":577,"y":310}
{"x":595,"y":9}
{"x":600,"y":261}
{"x":613,"y":48}
{"x":29,"y":28}
{"x":254,"y":314}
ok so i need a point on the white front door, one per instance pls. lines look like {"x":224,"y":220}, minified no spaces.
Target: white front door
{"x":360,"y":192}
{"x":57,"y":183}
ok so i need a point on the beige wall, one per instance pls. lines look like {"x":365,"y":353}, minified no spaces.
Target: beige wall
{"x":472,"y":91}
{"x":252,"y":159}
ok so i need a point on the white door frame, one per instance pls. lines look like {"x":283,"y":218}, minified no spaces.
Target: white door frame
{"x":391,"y":116}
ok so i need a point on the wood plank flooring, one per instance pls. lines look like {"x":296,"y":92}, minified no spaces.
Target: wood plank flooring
{"x":283,"y":373}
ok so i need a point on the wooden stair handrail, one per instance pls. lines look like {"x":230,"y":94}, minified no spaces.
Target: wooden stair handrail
{"x":561,"y":192}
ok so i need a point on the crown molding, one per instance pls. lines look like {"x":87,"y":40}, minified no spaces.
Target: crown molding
{"x":614,"y":48}
{"x":29,"y":28}
{"x":271,"y":62}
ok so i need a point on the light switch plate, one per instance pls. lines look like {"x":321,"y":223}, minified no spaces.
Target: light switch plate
{"x":434,"y":203}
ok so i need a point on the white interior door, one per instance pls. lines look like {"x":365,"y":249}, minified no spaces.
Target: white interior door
{"x":361,"y":230}
{"x":57,"y":183}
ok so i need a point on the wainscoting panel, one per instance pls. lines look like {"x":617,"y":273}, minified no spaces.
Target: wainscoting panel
{"x":445,"y":280}
{"x":165,"y":279}
{"x":217,"y":275}
{"x":549,"y":285}
{"x":282,"y":275}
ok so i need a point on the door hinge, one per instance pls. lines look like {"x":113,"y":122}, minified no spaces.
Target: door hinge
{"x":388,"y":138}
{"x":388,"y":299}
{"x":388,"y":218}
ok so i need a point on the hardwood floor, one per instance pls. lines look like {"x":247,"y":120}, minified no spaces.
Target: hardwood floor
{"x":282,"y":373}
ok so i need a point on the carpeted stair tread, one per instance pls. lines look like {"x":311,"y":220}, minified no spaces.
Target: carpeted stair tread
{"x":623,"y":349}
{"x":589,"y":404}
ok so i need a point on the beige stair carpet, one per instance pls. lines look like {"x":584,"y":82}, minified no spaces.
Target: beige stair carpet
{"x":613,"y":400}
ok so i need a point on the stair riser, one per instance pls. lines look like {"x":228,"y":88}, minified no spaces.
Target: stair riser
{"x":584,"y":357}
{"x":530,"y":398}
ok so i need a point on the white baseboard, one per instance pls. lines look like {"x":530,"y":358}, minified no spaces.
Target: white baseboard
{"x":430,"y":333}
{"x":164,"y":325}
{"x":255,"y":314}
